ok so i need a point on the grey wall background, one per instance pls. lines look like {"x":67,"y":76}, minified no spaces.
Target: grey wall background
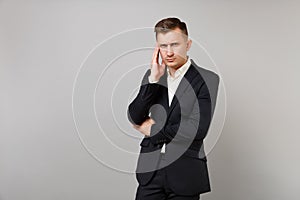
{"x":254,"y":43}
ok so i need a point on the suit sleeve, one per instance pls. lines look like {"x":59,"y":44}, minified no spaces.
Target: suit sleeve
{"x":138,"y":109}
{"x":192,"y":127}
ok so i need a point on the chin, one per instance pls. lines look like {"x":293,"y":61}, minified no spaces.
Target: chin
{"x":172,"y":65}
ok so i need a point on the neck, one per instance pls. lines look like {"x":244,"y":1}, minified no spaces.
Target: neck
{"x":173,"y":70}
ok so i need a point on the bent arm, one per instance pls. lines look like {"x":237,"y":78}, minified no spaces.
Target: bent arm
{"x":138,"y":109}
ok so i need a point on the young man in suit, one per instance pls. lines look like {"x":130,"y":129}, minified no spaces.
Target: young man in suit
{"x":173,"y":111}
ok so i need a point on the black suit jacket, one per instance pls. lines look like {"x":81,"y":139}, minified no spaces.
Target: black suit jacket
{"x":182,"y":126}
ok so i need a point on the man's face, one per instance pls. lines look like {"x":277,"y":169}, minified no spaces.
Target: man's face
{"x":173,"y":46}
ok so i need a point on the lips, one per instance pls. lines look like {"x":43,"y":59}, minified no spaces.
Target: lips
{"x":170,"y":60}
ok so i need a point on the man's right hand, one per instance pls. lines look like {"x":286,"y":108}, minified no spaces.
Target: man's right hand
{"x":157,"y":70}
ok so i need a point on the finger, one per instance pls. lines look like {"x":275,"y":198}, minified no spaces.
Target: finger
{"x":154,"y":52}
{"x":163,"y":65}
{"x":152,"y":121}
{"x":155,"y":55}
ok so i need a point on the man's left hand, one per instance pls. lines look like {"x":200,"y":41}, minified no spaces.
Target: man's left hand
{"x":145,"y":127}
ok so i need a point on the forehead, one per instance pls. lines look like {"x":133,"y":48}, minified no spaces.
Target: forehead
{"x":171,"y":36}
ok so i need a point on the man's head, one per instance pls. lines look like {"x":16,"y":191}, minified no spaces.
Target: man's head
{"x":173,"y":42}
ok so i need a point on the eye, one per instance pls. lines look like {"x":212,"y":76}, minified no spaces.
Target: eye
{"x":163,"y":46}
{"x":175,"y":44}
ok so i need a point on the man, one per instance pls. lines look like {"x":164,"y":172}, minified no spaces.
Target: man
{"x":173,"y":110}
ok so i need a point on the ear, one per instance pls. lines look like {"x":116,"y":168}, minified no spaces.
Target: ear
{"x":189,"y":44}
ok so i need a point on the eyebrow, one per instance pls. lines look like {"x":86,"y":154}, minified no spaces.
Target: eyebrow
{"x":175,"y":42}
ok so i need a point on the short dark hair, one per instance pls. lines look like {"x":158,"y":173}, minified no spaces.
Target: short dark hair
{"x":168,"y":24}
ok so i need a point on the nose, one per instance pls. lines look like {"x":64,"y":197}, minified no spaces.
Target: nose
{"x":170,"y":51}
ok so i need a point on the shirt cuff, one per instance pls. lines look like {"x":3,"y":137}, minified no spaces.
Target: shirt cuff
{"x":152,"y":81}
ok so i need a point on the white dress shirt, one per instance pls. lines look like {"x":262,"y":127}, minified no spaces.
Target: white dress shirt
{"x":173,"y":83}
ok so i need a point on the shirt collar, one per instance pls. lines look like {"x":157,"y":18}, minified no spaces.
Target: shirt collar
{"x":182,"y":70}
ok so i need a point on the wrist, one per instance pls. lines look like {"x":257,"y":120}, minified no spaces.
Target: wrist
{"x":153,"y":79}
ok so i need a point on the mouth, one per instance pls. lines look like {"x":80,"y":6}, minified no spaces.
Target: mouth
{"x":170,"y":59}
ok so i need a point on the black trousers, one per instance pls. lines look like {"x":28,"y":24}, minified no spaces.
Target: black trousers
{"x":158,"y":189}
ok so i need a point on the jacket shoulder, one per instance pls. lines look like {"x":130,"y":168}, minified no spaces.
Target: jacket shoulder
{"x":207,"y":75}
